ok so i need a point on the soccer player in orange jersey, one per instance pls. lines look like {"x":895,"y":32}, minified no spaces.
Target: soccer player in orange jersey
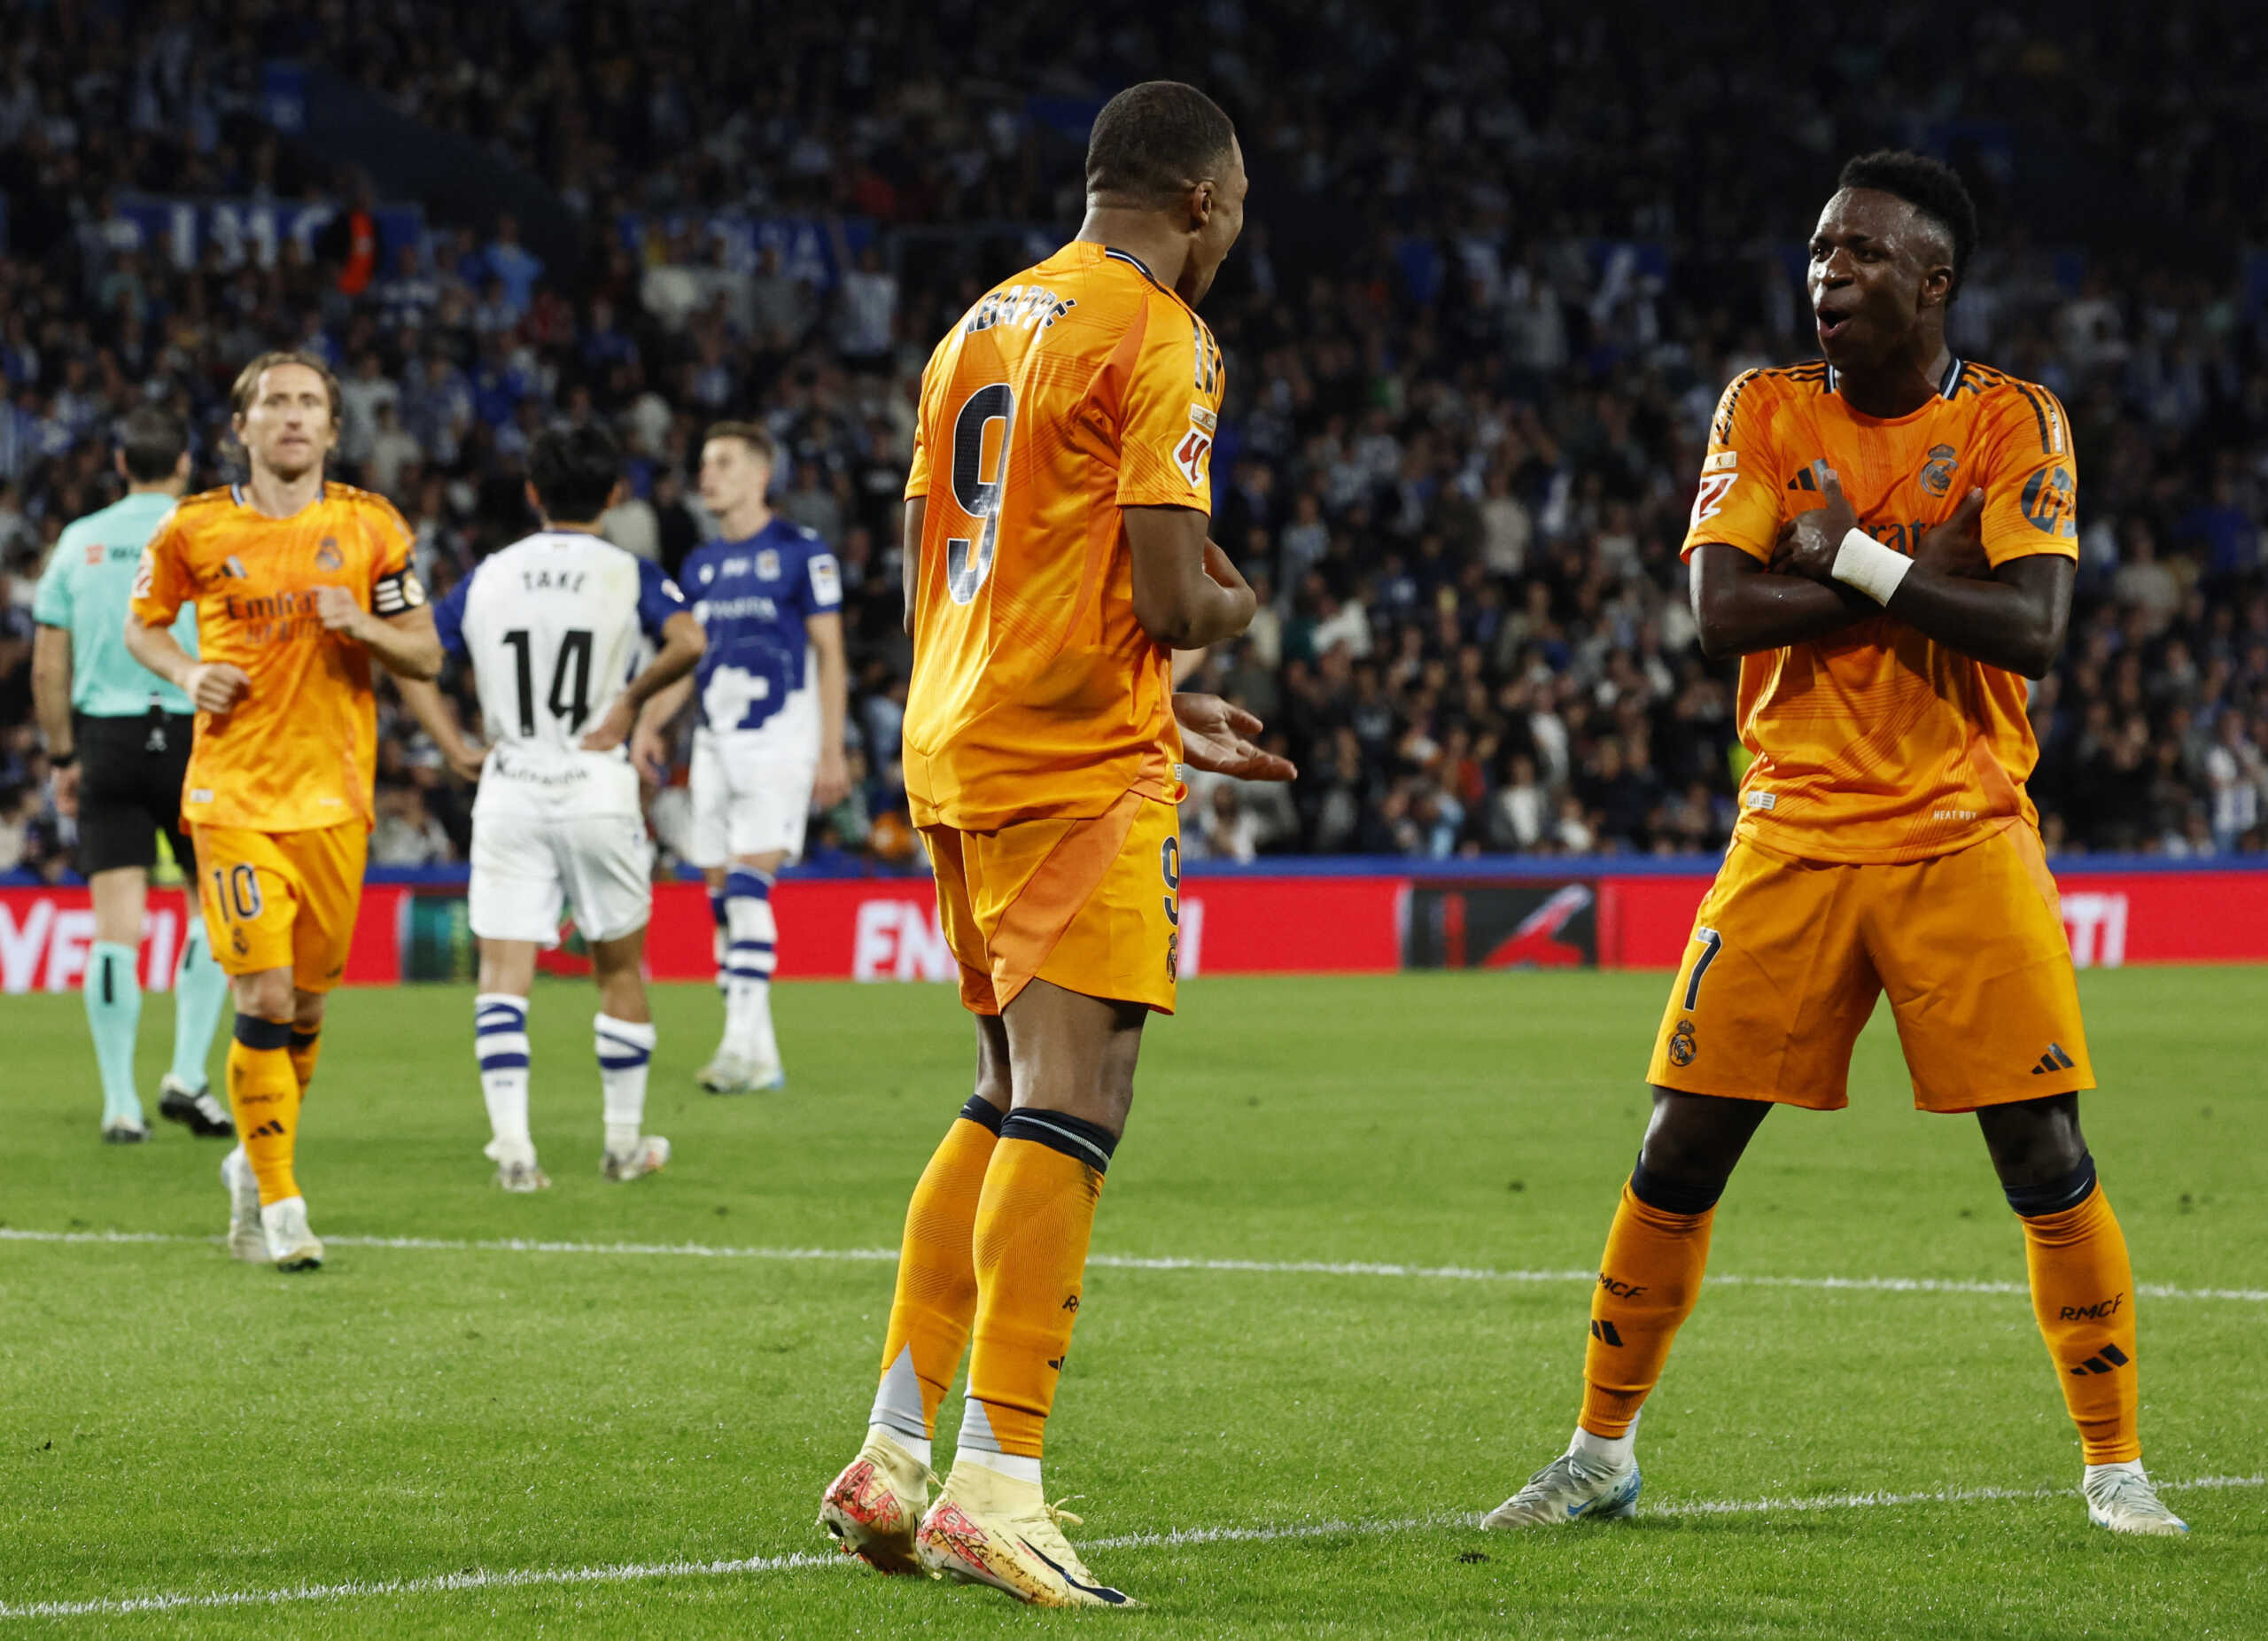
{"x":1055,"y":557}
{"x":1886,"y":537}
{"x":299,"y":584}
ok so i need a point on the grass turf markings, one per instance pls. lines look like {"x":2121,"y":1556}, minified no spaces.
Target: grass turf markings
{"x":632,"y":1572}
{"x":1121,"y":1262}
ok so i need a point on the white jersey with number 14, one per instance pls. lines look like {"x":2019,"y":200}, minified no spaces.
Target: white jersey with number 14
{"x":551,"y":625}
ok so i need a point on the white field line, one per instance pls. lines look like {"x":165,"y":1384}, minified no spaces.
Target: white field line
{"x":634,"y":1572}
{"x":1130,"y":1262}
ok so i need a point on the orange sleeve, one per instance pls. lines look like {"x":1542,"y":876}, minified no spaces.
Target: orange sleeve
{"x":917,"y":474}
{"x":1739,"y":501}
{"x":162,"y":583}
{"x":2031,"y":488}
{"x":1170,"y":414}
{"x":395,"y":538}
{"x":394,"y":586}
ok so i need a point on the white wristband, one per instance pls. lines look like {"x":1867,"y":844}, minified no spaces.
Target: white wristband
{"x":1866,"y":564}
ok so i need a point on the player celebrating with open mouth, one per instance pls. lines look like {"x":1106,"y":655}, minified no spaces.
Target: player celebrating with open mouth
{"x":1886,"y":537}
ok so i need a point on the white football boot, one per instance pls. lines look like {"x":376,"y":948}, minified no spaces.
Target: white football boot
{"x":516,"y":1167}
{"x":246,"y":1240}
{"x":739,"y":1074}
{"x":290,"y":1245}
{"x":2120,"y":1498}
{"x":1573,"y":1487}
{"x":649,"y":1154}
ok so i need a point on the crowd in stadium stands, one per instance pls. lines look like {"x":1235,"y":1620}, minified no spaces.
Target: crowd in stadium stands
{"x":1493,"y":284}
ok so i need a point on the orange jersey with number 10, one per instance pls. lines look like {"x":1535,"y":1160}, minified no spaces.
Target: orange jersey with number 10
{"x":1078,"y":388}
{"x":299,"y":748}
{"x":1877,"y":743}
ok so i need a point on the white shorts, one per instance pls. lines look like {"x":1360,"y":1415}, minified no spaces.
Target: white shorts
{"x":747,"y":799}
{"x":526,"y":868}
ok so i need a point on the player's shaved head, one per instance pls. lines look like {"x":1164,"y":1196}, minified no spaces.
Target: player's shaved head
{"x":1152,"y":141}
{"x":1939,"y":198}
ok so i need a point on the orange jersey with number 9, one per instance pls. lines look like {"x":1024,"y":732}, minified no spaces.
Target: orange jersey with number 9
{"x":1877,"y":743}
{"x":1078,"y":388}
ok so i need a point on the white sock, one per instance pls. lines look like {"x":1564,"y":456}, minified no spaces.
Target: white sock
{"x":980,"y":1447}
{"x":2103,"y":1473}
{"x":1612,"y":1452}
{"x":917,"y":1445}
{"x":750,"y":957}
{"x":1015,"y":1466}
{"x":624,"y":1050}
{"x":500,"y":1027}
{"x":898,"y":1401}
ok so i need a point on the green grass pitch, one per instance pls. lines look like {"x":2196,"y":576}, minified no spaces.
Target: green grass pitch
{"x":1820,"y":1460}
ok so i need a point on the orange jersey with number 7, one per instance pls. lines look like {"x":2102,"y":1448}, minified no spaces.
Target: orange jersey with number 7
{"x":1078,"y":388}
{"x":1876,"y":743}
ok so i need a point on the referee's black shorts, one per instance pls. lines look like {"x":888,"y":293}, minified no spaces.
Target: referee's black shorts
{"x":130,"y":776}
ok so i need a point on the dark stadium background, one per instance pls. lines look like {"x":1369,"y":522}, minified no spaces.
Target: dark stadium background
{"x":1500,"y":260}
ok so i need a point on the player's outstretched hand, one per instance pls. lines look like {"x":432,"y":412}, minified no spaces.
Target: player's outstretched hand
{"x":1819,"y":533}
{"x":215,"y":686}
{"x":336,"y":609}
{"x":612,"y":730}
{"x":1957,"y":546}
{"x":1216,"y":737}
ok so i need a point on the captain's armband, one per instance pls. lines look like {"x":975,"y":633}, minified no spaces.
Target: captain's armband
{"x":397,"y":593}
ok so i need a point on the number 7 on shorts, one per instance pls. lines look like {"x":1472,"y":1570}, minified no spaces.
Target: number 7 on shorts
{"x":1711,"y":942}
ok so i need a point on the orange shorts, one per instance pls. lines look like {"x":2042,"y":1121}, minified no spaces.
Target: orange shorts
{"x":282,"y":900}
{"x":1093,"y":905}
{"x":1788,"y":957}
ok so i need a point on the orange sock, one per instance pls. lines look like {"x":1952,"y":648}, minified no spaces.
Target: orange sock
{"x":264,"y":1097}
{"x":306,"y":1048}
{"x":2083,"y":1292}
{"x":1648,"y":1281}
{"x":1032,"y":1226}
{"x":936,"y":1300}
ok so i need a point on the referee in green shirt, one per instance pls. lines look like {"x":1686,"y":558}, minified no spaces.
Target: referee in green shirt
{"x":118,"y":737}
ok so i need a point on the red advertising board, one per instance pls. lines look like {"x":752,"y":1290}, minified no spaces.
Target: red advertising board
{"x":44,"y":935}
{"x":2113,"y":918}
{"x":886,"y":929}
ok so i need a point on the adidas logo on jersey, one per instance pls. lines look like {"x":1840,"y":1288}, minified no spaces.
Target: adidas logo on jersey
{"x":2054,"y":1061}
